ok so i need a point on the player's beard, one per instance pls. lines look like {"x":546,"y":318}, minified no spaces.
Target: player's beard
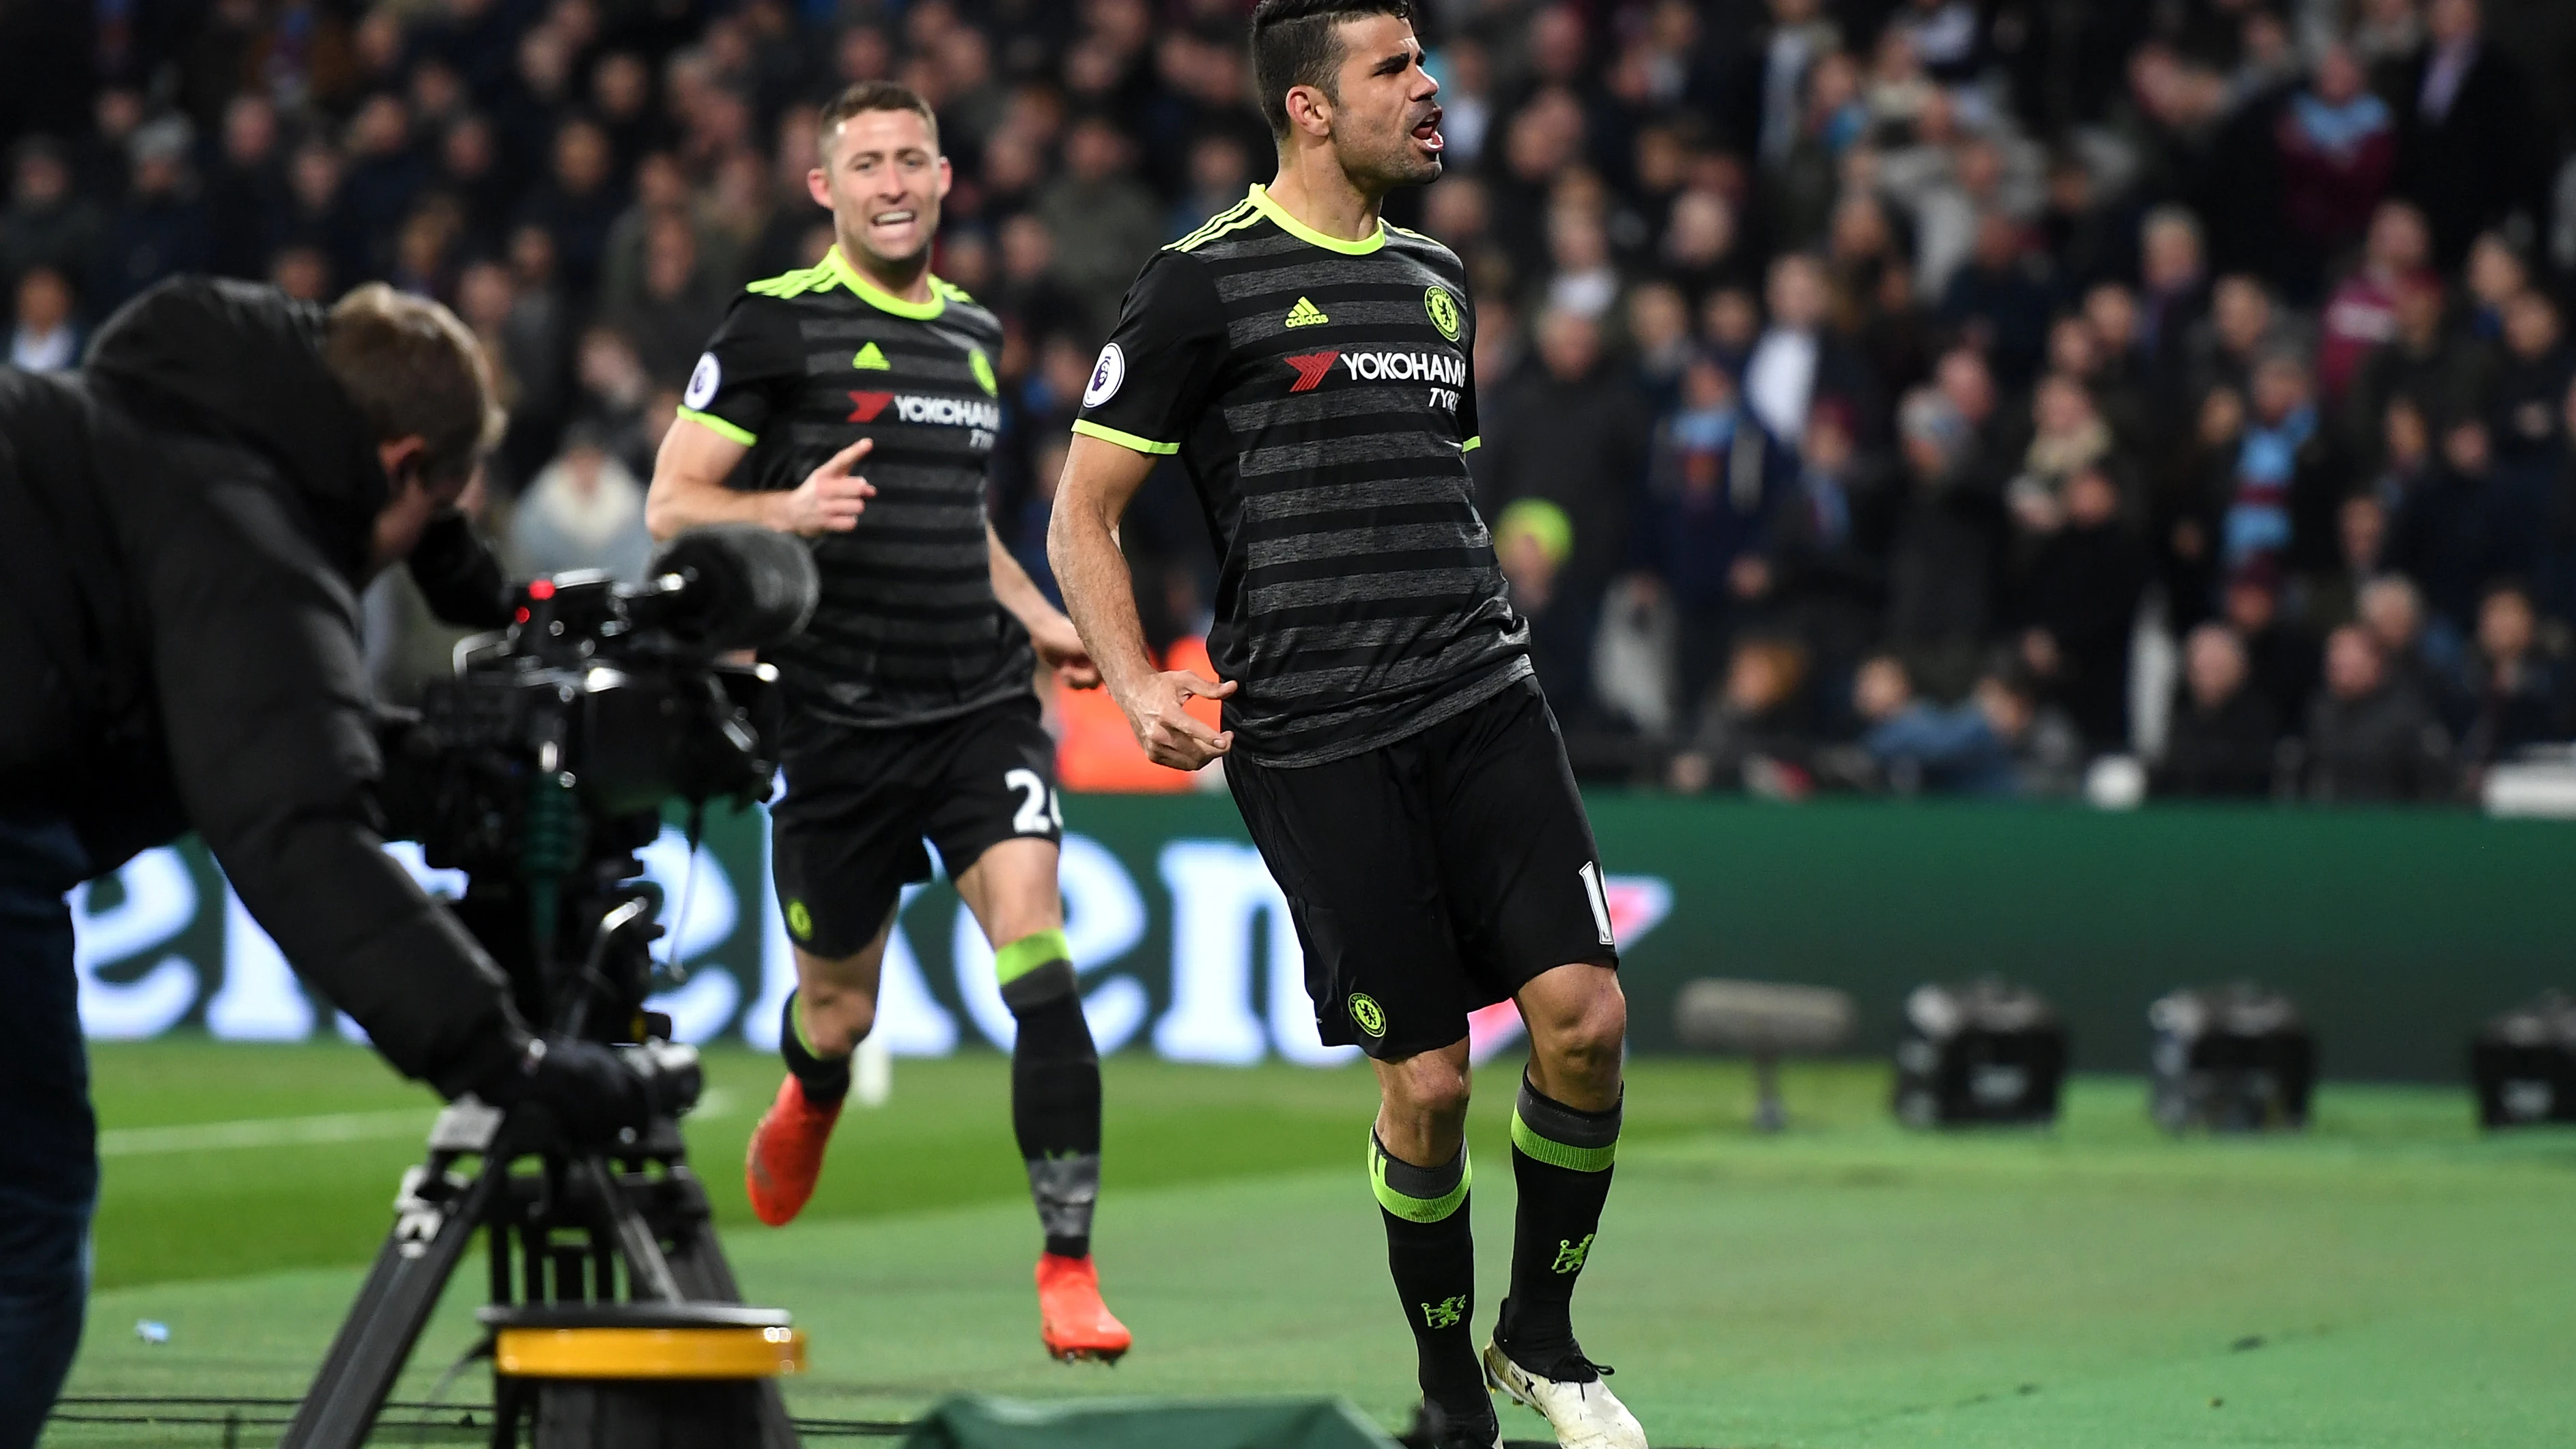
{"x":1388,"y":161}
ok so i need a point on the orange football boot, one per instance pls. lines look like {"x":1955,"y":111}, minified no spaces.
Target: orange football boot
{"x":1072,"y":1320}
{"x":786,"y":1156}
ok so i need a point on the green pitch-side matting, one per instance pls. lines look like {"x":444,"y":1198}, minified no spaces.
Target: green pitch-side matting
{"x":2390,"y":1279}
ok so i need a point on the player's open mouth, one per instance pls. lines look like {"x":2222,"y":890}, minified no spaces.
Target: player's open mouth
{"x":1428,"y":133}
{"x":891,"y":218}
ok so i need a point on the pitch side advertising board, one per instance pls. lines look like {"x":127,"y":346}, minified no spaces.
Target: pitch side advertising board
{"x":1182,"y":939}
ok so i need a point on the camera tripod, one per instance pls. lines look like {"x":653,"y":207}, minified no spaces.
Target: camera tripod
{"x":629,"y":1225}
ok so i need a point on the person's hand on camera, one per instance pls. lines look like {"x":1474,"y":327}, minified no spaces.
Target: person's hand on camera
{"x":589,"y":1090}
{"x":830,"y":499}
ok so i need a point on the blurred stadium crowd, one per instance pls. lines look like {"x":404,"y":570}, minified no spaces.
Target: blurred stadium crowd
{"x":1911,"y":395}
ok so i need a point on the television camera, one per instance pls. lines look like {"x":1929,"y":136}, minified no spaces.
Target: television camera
{"x":540,"y":770}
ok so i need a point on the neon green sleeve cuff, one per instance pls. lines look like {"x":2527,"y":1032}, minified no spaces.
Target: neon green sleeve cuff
{"x":1472,"y":444}
{"x":1090,"y":429}
{"x":719,"y":427}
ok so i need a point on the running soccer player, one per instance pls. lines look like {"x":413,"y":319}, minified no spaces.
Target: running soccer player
{"x":1383,"y":734}
{"x":909,"y":707}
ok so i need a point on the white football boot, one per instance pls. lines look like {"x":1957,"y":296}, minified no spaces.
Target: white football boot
{"x":1584,"y":1414}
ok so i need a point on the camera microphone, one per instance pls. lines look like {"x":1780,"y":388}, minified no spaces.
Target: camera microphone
{"x":732,"y":586}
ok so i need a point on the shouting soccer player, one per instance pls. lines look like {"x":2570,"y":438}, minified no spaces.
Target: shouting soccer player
{"x":1384,"y":735}
{"x":910,"y":712}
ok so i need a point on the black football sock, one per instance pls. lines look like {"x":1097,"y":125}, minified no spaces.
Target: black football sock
{"x":1055,"y":1088}
{"x":826,"y":1079}
{"x":1431,"y":1250}
{"x":1561,"y":1159}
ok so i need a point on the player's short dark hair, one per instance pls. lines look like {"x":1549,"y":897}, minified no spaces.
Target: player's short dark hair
{"x":1294,"y":44}
{"x":414,"y":370}
{"x":869,"y":96}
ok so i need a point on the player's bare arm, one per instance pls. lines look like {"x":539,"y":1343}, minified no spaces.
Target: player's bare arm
{"x":1058,"y":644}
{"x":1100,"y":480}
{"x":689,"y":488}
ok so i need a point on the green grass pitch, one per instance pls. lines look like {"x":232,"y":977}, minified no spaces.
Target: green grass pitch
{"x":2390,"y":1278}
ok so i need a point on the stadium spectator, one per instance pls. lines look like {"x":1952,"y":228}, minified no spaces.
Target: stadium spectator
{"x":2361,"y":315}
{"x":2079,"y":609}
{"x":2466,"y":130}
{"x":48,"y":224}
{"x":676,"y":303}
{"x":246,"y":186}
{"x":2174,"y":292}
{"x":2245,"y":326}
{"x":2224,"y":736}
{"x":2282,"y":476}
{"x":1821,"y":555}
{"x":2282,"y":659}
{"x":1103,"y":222}
{"x":2392,"y":611}
{"x":1922,"y":747}
{"x":2338,"y":148}
{"x":2001,"y":741}
{"x":1571,"y":429}
{"x":1798,"y":359}
{"x":1755,"y":734}
{"x":160,"y":229}
{"x":45,"y":338}
{"x":1996,"y":301}
{"x":1713,"y":479}
{"x":2464,"y":526}
{"x":1945,"y":559}
{"x":1533,"y":540}
{"x":2369,"y":738}
{"x":2330,"y":598}
{"x":2533,"y":372}
{"x":2068,"y":437}
{"x":584,"y":510}
{"x":2515,"y":692}
{"x":578,"y":202}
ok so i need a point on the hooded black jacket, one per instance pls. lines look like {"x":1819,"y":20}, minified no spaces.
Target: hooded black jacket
{"x":184,"y":528}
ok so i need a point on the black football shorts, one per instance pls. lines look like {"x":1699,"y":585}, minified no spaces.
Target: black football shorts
{"x":1433,"y":876}
{"x":847,"y":837}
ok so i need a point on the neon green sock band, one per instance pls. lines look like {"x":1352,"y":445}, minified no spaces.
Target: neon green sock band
{"x":1029,"y":953}
{"x":796,"y":1019}
{"x":1549,"y":1131}
{"x":1418,"y":1194}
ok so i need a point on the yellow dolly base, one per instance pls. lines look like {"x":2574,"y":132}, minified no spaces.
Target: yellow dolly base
{"x":642,"y":1375}
{"x":648,"y":1353}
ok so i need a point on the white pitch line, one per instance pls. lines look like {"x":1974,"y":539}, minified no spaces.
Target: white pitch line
{"x":299,"y":1131}
{"x":264,"y":1132}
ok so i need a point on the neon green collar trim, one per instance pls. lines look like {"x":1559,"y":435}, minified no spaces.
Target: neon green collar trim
{"x":1301,"y":231}
{"x":878,"y":297}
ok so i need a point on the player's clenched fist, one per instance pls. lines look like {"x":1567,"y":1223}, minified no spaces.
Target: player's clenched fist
{"x":1158,"y":711}
{"x":830,"y":499}
{"x":1059,"y":647}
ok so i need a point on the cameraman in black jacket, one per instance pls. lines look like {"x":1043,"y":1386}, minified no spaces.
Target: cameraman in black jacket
{"x":185,"y":526}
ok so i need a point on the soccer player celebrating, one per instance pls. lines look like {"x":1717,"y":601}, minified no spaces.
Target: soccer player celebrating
{"x":1384,"y":735}
{"x":909,"y":708}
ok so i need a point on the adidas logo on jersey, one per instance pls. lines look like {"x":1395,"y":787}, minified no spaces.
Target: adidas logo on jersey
{"x":1306,"y":314}
{"x":872,"y":358}
{"x":955,"y":412}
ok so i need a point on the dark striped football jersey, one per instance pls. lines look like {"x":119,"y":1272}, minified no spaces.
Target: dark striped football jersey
{"x":908,"y":630}
{"x":1320,"y":395}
